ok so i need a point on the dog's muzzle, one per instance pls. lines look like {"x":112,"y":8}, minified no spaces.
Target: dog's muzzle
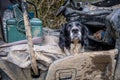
{"x":75,"y":33}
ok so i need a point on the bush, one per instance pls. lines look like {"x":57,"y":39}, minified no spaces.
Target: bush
{"x":47,"y":10}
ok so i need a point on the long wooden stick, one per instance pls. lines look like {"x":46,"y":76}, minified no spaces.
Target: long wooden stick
{"x":29,"y":37}
{"x":35,"y":40}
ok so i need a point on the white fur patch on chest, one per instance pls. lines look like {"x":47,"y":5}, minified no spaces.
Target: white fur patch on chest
{"x":76,"y":48}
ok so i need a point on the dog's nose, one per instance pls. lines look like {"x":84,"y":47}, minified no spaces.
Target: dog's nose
{"x":75,"y":30}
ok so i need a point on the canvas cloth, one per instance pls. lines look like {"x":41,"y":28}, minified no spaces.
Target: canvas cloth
{"x":45,"y":54}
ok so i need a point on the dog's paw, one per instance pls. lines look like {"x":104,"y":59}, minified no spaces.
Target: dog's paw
{"x":67,"y":52}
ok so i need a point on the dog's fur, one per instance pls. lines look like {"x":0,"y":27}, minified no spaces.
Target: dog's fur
{"x":73,"y":37}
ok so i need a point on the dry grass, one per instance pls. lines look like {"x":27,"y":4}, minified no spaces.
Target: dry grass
{"x":47,"y":10}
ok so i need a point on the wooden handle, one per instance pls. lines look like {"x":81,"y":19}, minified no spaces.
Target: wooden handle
{"x":29,"y":38}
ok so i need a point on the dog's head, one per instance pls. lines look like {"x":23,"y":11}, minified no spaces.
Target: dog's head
{"x":74,"y":30}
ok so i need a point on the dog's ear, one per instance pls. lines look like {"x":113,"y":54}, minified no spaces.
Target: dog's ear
{"x":62,"y":38}
{"x":85,"y":33}
{"x":85,"y":30}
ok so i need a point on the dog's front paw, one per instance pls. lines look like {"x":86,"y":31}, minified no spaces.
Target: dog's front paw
{"x":67,"y":52}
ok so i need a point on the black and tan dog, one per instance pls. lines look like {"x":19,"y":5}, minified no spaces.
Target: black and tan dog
{"x":73,"y":37}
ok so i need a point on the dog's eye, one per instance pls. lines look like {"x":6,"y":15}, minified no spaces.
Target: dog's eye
{"x":69,"y":25}
{"x":77,"y":24}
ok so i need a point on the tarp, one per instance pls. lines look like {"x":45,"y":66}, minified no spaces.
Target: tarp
{"x":45,"y":54}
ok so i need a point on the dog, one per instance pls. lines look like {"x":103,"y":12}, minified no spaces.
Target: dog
{"x":73,"y":37}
